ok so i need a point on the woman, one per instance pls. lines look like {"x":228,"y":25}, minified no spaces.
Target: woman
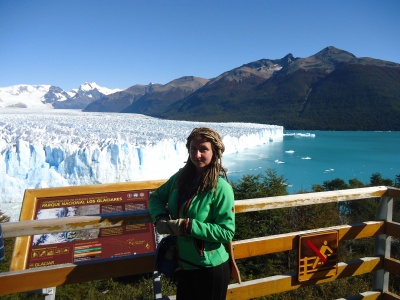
{"x":197,"y":205}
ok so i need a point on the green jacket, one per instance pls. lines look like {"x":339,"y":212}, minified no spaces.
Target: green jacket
{"x":212,"y":216}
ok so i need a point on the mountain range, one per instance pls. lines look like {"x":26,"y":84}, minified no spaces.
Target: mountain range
{"x":50,"y":97}
{"x":330,"y":90}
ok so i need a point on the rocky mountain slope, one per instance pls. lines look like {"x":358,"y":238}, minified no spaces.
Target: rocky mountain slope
{"x":330,"y":90}
{"x":148,"y":99}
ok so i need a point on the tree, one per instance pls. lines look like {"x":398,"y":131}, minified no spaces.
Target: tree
{"x":258,"y":186}
{"x":317,"y":188}
{"x":355,"y":183}
{"x":249,"y":186}
{"x":377,"y":180}
{"x":275,"y":185}
{"x":397,"y":181}
{"x":260,"y":223}
{"x":335,"y":184}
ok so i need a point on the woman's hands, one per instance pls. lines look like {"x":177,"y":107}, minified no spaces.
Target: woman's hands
{"x":172,"y":227}
{"x":162,"y":226}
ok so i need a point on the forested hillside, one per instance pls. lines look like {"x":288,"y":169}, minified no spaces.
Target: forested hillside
{"x":331,"y":90}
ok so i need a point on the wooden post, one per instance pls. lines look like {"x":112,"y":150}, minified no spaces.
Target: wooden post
{"x":382,"y":245}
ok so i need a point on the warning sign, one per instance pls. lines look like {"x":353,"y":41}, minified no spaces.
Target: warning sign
{"x":318,"y":255}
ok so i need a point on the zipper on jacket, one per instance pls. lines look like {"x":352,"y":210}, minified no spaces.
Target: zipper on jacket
{"x":186,"y":208}
{"x":199,"y":244}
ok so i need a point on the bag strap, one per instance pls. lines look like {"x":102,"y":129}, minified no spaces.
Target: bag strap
{"x":235,"y":273}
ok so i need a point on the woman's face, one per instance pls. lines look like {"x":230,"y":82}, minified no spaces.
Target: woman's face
{"x":201,"y":154}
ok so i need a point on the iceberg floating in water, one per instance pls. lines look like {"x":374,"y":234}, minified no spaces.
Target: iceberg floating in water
{"x":299,"y":134}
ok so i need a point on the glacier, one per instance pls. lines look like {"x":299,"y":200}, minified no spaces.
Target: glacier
{"x":55,"y":148}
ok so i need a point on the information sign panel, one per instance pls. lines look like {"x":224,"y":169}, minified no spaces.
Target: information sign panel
{"x":318,"y":257}
{"x":87,"y":245}
{"x":90,"y":244}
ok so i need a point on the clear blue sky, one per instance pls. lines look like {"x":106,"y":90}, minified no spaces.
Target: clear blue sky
{"x":121,"y":43}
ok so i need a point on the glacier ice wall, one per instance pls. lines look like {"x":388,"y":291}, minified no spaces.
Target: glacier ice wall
{"x":64,"y":148}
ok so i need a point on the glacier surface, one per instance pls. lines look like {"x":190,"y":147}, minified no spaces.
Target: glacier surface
{"x":55,"y":148}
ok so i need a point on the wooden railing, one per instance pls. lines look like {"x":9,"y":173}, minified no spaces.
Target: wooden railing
{"x":381,"y":264}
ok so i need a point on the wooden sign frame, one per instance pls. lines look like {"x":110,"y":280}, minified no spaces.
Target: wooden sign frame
{"x":76,"y":247}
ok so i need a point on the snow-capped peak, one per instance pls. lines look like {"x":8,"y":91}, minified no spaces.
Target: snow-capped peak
{"x":26,"y":89}
{"x":90,"y":86}
{"x":24,"y":96}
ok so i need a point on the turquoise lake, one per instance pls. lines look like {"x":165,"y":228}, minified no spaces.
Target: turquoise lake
{"x":305,"y":158}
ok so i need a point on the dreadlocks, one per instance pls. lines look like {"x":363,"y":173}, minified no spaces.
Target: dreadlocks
{"x":188,"y":182}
